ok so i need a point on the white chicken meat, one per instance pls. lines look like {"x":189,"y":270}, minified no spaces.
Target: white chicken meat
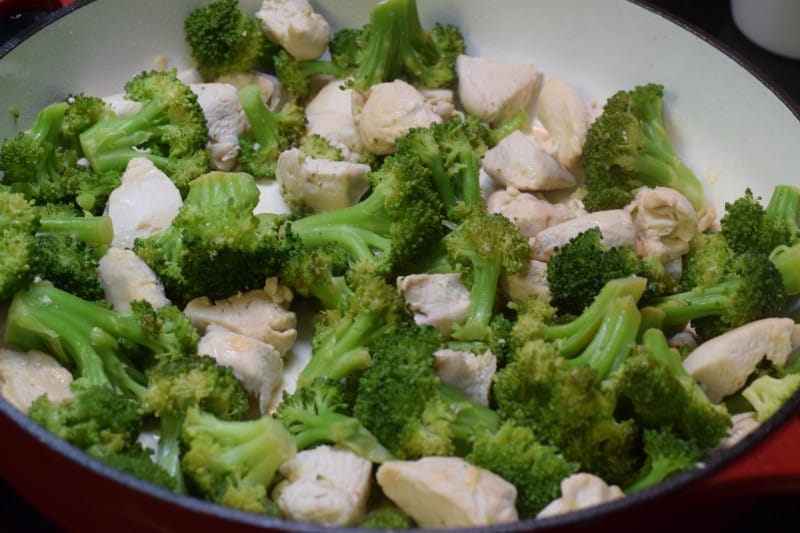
{"x":529,"y":212}
{"x":531,"y":281}
{"x":517,"y":161}
{"x":616,"y":227}
{"x":496,"y":90}
{"x":256,"y":364}
{"x":469,"y":373}
{"x":295,"y":26}
{"x":144,"y":204}
{"x":226,"y":121}
{"x":24,"y":376}
{"x":125,"y":277}
{"x":448,"y":492}
{"x":665,"y":223}
{"x":722,"y":364}
{"x":386,"y":111}
{"x":319,"y":184}
{"x":438,"y":300}
{"x":330,"y":115}
{"x":580,"y":491}
{"x":261,"y":314}
{"x":324,"y":485}
{"x":564,"y":113}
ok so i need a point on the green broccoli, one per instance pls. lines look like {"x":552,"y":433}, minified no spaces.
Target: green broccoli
{"x":233,"y":462}
{"x":223,"y":39}
{"x":402,"y":401}
{"x":535,"y":469}
{"x":666,"y":454}
{"x":52,"y":242}
{"x":318,"y":413}
{"x":271,"y":132}
{"x":316,"y":146}
{"x":653,"y":388}
{"x":215,"y":246}
{"x":579,"y":269}
{"x":387,"y":517}
{"x":169,"y":129}
{"x":138,"y":462}
{"x":484,"y":246}
{"x":370,"y":308}
{"x":395,"y":45}
{"x":175,"y":384}
{"x":395,"y":223}
{"x":746,"y":226}
{"x":296,"y":75}
{"x":768,"y":393}
{"x":750,"y":288}
{"x":628,"y":146}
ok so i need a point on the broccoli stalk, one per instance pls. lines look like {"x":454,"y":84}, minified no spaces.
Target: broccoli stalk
{"x":396,"y":45}
{"x":272,"y":132}
{"x":393,"y":225}
{"x":169,"y":129}
{"x":784,"y":206}
{"x":232,"y":462}
{"x":627,"y":147}
{"x":485,"y":246}
{"x":751,"y":288}
{"x":317,"y":414}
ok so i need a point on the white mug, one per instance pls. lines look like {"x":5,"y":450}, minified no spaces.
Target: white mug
{"x":772,"y":24}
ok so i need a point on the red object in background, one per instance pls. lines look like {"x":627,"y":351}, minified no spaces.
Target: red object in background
{"x":13,"y":7}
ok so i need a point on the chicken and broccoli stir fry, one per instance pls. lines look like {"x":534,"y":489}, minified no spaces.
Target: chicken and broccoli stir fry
{"x":361,"y":277}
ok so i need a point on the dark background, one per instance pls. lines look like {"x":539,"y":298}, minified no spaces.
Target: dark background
{"x":712,"y":20}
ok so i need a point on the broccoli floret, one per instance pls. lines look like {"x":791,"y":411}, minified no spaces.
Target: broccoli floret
{"x":100,"y":344}
{"x":579,"y":269}
{"x":233,"y":462}
{"x":768,"y":393}
{"x":83,"y":111}
{"x":395,"y":45}
{"x":484,"y":246}
{"x":170,"y":127}
{"x":391,"y":227}
{"x":175,"y":384}
{"x":225,"y":40}
{"x":784,"y":207}
{"x":53,"y":243}
{"x":628,"y":146}
{"x":747,"y":228}
{"x":215,"y":246}
{"x":318,"y":413}
{"x":387,"y":517}
{"x":96,"y":419}
{"x":316,"y":146}
{"x":653,"y":388}
{"x":750,"y":288}
{"x":138,"y":462}
{"x":451,"y":152}
{"x":402,"y":401}
{"x":271,"y":132}
{"x":666,"y":454}
{"x":535,"y":469}
{"x":370,"y":308}
{"x":296,"y":75}
{"x":704,"y":263}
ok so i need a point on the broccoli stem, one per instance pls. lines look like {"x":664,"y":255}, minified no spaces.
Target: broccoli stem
{"x":787,"y":259}
{"x":696,"y":303}
{"x":486,"y":276}
{"x":382,"y":46}
{"x":784,"y":205}
{"x":94,"y":230}
{"x":168,"y":449}
{"x":341,"y":429}
{"x":614,"y":339}
{"x":262,"y":121}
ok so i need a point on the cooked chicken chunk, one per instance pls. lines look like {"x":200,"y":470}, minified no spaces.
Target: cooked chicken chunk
{"x":566,"y":116}
{"x":144,"y":204}
{"x":517,"y":161}
{"x":742,"y":425}
{"x":387,"y":112}
{"x":532,"y":280}
{"x":467,"y":372}
{"x":580,"y":491}
{"x":257,"y":365}
{"x":495,"y":90}
{"x":261,"y":314}
{"x":616,"y":226}
{"x":438,"y":300}
{"x":325,"y":485}
{"x":319,"y":184}
{"x":226,"y":121}
{"x":295,"y":26}
{"x":448,"y":492}
{"x":530,"y":213}
{"x":330,"y":115}
{"x":125,"y":278}
{"x":722,"y":364}
{"x":665,"y":223}
{"x":24,"y":376}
